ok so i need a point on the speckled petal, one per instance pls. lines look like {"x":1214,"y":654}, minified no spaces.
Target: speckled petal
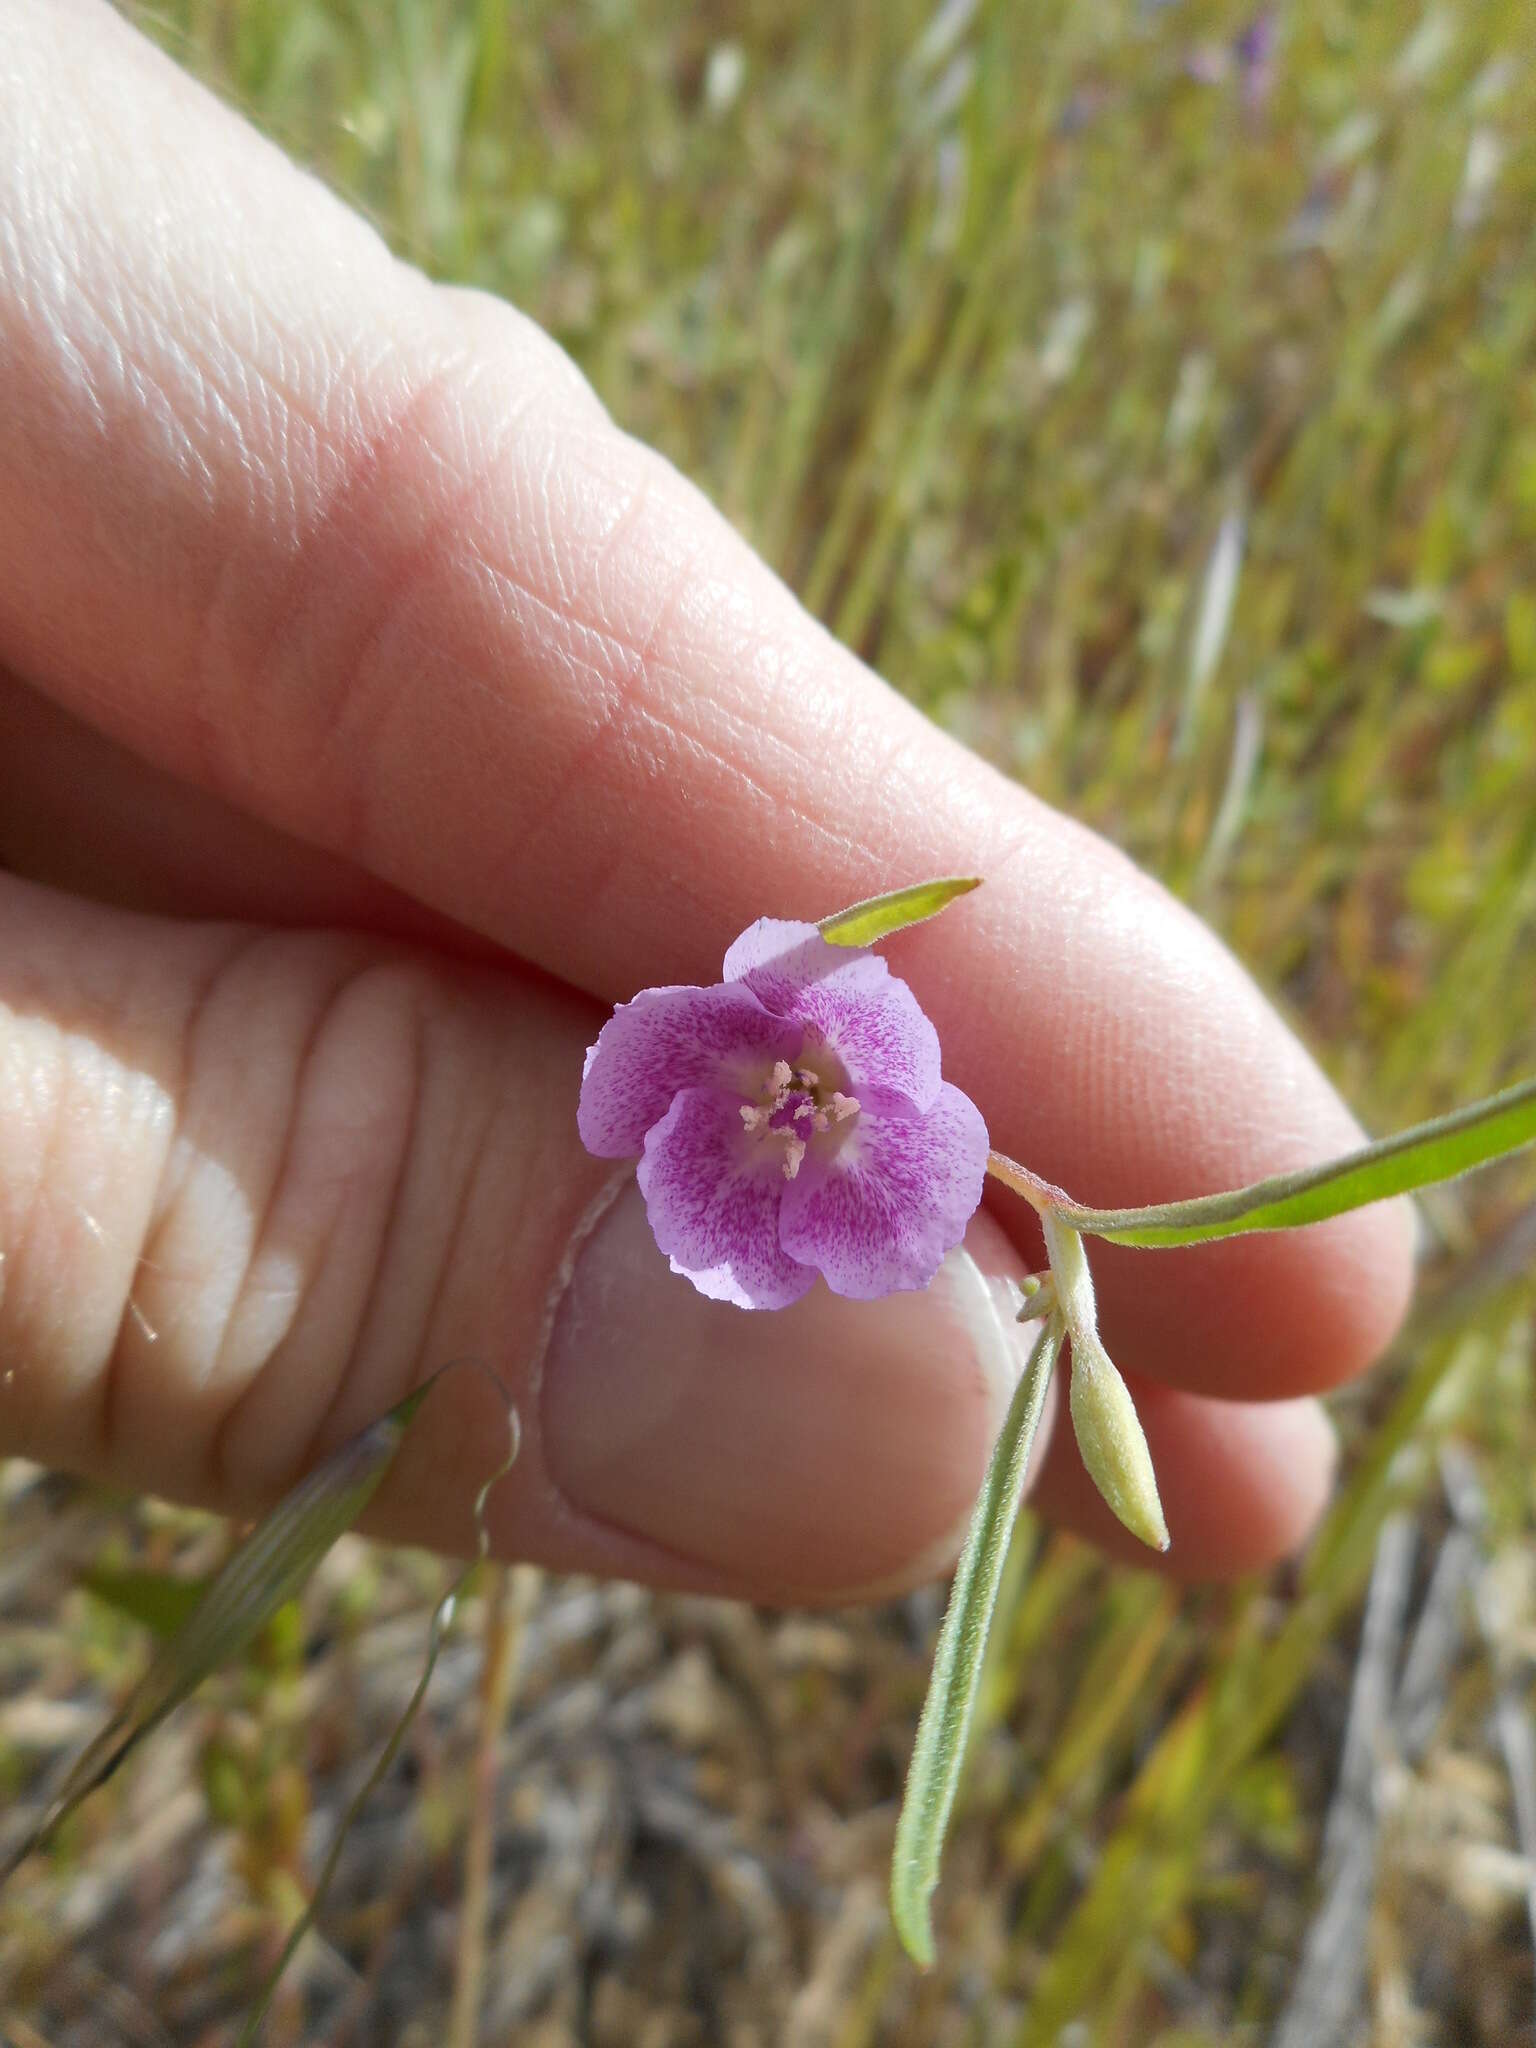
{"x":712,"y":1194}
{"x":851,"y":1001}
{"x":668,"y":1039}
{"x":880,"y":1213}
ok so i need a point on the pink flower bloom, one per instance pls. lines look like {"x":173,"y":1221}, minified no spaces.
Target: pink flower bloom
{"x":791,"y":1121}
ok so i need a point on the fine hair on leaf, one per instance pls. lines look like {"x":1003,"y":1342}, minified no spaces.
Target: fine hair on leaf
{"x":1440,"y":1150}
{"x":939,"y":1752}
{"x":877,"y":917}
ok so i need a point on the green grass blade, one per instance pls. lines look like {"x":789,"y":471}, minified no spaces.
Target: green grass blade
{"x":262,"y":1575}
{"x":1437,"y":1151}
{"x":271,"y":1565}
{"x":939,"y":1752}
{"x":878,"y":916}
{"x":158,"y":1601}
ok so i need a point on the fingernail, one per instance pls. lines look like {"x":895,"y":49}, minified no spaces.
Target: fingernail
{"x":831,"y":1450}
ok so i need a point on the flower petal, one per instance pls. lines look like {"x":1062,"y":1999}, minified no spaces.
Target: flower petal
{"x":668,"y":1039}
{"x":712,"y":1193}
{"x":764,"y":957}
{"x":880,"y":1213}
{"x":850,"y":999}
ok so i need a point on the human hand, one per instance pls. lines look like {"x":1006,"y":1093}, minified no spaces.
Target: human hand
{"x":372,"y":715}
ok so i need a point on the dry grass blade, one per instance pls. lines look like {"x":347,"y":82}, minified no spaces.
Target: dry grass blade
{"x":509,"y":1602}
{"x":1517,"y":1740}
{"x":437,"y":1628}
{"x":1331,"y":1976}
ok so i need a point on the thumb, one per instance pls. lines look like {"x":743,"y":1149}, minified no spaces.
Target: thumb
{"x":254,"y":1186}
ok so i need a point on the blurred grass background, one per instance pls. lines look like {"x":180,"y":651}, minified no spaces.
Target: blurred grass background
{"x":1147,"y":387}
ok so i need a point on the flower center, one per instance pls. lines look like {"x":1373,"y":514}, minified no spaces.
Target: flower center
{"x":795,"y":1106}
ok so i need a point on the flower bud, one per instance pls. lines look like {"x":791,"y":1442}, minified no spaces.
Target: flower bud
{"x":1109,"y":1432}
{"x":1113,"y":1444}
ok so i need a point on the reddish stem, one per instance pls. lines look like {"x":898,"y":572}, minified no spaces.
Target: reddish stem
{"x":1043,"y":1195}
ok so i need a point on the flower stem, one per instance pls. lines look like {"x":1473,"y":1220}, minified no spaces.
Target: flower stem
{"x":1041,"y":1194}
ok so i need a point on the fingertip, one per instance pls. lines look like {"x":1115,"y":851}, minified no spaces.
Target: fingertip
{"x":1120,"y":1049}
{"x":1360,"y":1270}
{"x":1264,"y":1318}
{"x":827,"y":1452}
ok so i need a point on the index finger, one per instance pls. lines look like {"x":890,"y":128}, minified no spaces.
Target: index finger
{"x":367,"y":560}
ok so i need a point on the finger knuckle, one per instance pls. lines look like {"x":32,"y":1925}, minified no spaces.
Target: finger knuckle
{"x":296,"y":1110}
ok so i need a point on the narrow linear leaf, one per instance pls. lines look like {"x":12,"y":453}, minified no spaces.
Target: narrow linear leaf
{"x":1437,"y":1151}
{"x":265,"y":1572}
{"x":158,"y":1601}
{"x":1218,"y":595}
{"x":878,"y":916}
{"x":939,"y":1752}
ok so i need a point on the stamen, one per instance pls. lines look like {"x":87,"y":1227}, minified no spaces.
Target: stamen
{"x":795,"y":1107}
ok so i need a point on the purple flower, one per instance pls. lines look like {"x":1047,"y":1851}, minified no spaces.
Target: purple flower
{"x":791,"y":1120}
{"x":1255,"y":53}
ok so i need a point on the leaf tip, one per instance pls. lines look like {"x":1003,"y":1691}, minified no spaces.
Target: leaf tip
{"x":877,"y":917}
{"x":914,"y":1929}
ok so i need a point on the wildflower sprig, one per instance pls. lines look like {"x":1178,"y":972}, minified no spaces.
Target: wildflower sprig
{"x":792,"y":1121}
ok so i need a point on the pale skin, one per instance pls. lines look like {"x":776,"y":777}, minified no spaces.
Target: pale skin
{"x":373,"y":715}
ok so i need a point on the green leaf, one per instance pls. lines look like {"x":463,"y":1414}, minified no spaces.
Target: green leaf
{"x":1437,"y":1151}
{"x":158,"y":1601}
{"x":939,"y":1751}
{"x":876,"y":918}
